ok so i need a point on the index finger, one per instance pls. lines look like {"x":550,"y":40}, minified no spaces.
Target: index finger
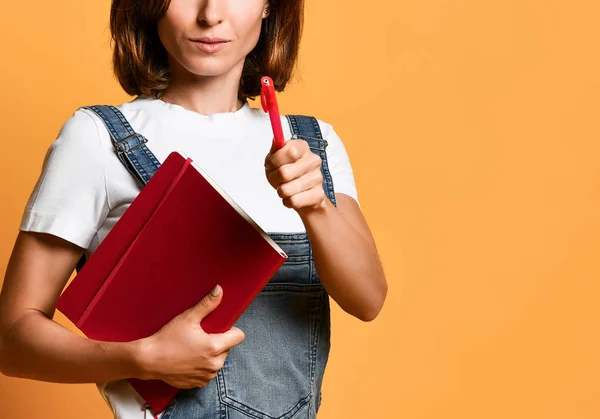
{"x":228,"y":339}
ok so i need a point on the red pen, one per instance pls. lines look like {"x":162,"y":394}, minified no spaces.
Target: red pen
{"x":269,"y":104}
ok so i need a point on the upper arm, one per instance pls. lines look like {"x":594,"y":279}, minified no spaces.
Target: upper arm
{"x":352,"y":212}
{"x":65,"y":209}
{"x":39,"y":267}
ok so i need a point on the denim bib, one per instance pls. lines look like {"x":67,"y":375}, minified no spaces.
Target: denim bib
{"x":277,"y":371}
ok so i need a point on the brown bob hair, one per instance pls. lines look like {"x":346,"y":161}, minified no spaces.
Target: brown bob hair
{"x":140,"y":60}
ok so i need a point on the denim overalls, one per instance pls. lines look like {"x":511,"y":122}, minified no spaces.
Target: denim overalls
{"x":277,"y":371}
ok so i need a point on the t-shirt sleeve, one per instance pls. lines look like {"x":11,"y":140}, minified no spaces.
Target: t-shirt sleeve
{"x":69,"y":198}
{"x":338,"y":162}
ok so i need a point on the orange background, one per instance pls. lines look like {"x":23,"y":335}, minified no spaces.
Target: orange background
{"x":473,"y":130}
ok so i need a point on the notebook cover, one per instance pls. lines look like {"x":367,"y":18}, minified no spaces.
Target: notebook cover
{"x":189,"y":238}
{"x":77,"y":296}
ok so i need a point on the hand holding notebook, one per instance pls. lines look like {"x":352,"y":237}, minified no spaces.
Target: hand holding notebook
{"x":180,"y":349}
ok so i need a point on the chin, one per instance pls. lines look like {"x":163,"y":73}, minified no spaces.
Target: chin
{"x":208,"y":67}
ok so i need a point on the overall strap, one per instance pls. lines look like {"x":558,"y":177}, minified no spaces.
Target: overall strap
{"x":307,"y":128}
{"x":130,"y":146}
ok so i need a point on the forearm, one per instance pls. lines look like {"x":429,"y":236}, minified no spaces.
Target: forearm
{"x":347,"y":262}
{"x":36,"y":347}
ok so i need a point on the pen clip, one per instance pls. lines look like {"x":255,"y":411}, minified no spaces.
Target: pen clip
{"x":265,"y":91}
{"x":269,"y":104}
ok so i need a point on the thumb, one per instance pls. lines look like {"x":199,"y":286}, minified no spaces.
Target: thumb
{"x":273,"y":146}
{"x":207,"y":304}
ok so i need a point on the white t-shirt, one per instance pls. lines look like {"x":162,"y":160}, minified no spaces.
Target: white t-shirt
{"x":83,"y":188}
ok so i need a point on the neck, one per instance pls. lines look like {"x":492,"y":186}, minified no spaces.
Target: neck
{"x":204,"y":94}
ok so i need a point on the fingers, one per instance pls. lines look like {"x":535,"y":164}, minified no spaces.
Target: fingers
{"x":304,"y":183}
{"x":223,"y":342}
{"x":311,"y":198}
{"x":207,"y":372}
{"x":220,"y":345}
{"x":200,"y":380}
{"x":308,"y":163}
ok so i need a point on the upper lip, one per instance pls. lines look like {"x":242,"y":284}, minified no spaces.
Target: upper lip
{"x":208,"y":39}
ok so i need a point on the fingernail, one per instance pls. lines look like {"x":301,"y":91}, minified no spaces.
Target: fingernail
{"x":216,"y":290}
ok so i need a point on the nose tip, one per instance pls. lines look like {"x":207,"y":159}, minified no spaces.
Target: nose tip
{"x":210,"y":16}
{"x":210,"y":22}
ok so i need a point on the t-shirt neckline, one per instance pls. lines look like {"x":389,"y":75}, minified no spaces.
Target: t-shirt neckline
{"x":243,"y":113}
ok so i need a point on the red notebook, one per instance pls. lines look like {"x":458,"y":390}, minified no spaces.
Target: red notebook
{"x":180,"y":237}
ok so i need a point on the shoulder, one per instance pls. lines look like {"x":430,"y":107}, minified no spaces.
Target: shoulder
{"x":329,"y":134}
{"x":79,"y":133}
{"x":87,"y":127}
{"x":80,"y":121}
{"x":327,"y":130}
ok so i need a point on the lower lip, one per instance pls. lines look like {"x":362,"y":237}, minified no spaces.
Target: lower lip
{"x":210,"y":47}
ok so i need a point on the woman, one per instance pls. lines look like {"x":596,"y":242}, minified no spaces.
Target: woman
{"x":192,"y":65}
